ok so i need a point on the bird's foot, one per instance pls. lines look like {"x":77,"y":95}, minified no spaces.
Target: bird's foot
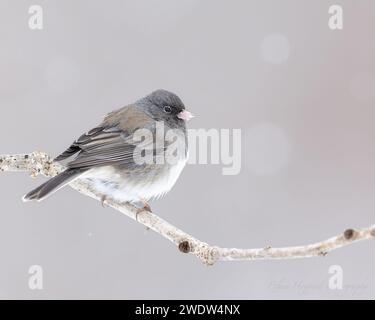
{"x":103,"y":200}
{"x":146,"y":207}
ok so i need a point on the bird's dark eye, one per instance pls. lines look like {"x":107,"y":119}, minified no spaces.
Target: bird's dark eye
{"x":167,"y":109}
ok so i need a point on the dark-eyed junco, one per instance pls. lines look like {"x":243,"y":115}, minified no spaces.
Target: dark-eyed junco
{"x":112,"y":154}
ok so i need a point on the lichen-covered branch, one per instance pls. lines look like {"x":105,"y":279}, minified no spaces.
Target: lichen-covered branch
{"x":40,"y":163}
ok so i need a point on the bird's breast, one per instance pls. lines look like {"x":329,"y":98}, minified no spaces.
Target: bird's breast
{"x":146,"y":182}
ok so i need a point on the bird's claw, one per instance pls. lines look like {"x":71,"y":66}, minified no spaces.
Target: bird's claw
{"x":146,"y":207}
{"x":103,"y":200}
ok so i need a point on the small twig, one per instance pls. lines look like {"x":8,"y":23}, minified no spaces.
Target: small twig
{"x":40,"y":163}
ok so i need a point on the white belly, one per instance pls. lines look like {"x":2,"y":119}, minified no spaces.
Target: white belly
{"x":130,"y":188}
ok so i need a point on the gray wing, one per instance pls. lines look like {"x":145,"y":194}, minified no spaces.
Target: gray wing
{"x":99,"y":147}
{"x":112,"y":142}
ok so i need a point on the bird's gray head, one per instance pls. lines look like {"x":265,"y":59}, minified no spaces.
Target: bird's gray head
{"x":166,"y":106}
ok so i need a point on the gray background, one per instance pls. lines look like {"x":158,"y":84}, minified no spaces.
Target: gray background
{"x":302,"y":94}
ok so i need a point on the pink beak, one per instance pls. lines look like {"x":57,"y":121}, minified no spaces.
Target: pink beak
{"x":185,"y":115}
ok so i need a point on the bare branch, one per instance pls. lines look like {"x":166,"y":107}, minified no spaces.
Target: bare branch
{"x":40,"y":163}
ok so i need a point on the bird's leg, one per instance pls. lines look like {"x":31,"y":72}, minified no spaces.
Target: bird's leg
{"x":146,"y":207}
{"x":103,"y":199}
{"x":142,"y":205}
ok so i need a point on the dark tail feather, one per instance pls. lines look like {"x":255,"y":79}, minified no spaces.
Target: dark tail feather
{"x":53,"y":185}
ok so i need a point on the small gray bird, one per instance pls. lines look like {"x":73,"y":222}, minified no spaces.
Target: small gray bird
{"x":106,"y":154}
